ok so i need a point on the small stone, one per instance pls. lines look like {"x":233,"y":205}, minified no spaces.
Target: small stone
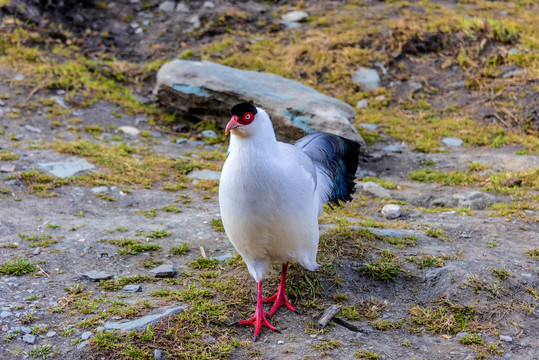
{"x":158,"y":354}
{"x":143,"y":322}
{"x":132,"y":288}
{"x":512,"y":182}
{"x":376,"y":190}
{"x":514,"y":73}
{"x":388,"y":233}
{"x":86,"y":335}
{"x":60,"y":102}
{"x":164,"y":271}
{"x":25,"y":329}
{"x":209,"y":134}
{"x":32,"y":128}
{"x":194,"y":21}
{"x":7,"y":168}
{"x":95,"y":275}
{"x":370,"y":127}
{"x":362,"y":104}
{"x":392,"y":211}
{"x":452,"y":141}
{"x":145,"y":22}
{"x":51,"y":334}
{"x":134,"y":25}
{"x":129,"y":130}
{"x":367,"y":79}
{"x":167,"y":6}
{"x":181,"y":7}
{"x":280,"y":342}
{"x":396,"y":148}
{"x":67,"y":168}
{"x":224,"y":257}
{"x":5,"y":314}
{"x":100,"y":189}
{"x":512,"y":51}
{"x":139,"y":30}
{"x":82,"y":345}
{"x":204,"y":174}
{"x":29,"y":338}
{"x":180,"y":140}
{"x":457,"y":84}
{"x":526,"y":275}
{"x":18,"y":77}
{"x":296,"y":16}
{"x":461,"y":334}
{"x":208,"y":5}
{"x":506,"y":338}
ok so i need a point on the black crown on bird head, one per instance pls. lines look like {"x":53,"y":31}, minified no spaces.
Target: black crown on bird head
{"x":242,"y":108}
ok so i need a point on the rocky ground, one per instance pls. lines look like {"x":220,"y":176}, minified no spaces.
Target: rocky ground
{"x":437,"y":256}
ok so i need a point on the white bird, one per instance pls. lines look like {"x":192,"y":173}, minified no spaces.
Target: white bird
{"x":271,"y":195}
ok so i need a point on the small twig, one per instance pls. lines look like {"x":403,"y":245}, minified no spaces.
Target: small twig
{"x":328,"y":315}
{"x":44,"y":272}
{"x":33,"y":91}
{"x":203,"y":252}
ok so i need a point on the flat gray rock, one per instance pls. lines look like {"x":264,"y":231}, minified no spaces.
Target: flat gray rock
{"x":367,"y":79}
{"x":362,"y":104}
{"x":143,"y":322}
{"x":67,"y":168}
{"x":164,"y":270}
{"x":295,"y":16}
{"x":29,"y":338}
{"x":86,"y":335}
{"x":388,"y":233}
{"x":376,"y":190}
{"x":370,"y":127}
{"x":132,"y":288}
{"x":95,"y":275}
{"x":204,"y":87}
{"x":452,"y":141}
{"x":204,"y":174}
{"x":391,"y":211}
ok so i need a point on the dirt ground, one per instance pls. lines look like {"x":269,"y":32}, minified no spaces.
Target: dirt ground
{"x":458,"y":306}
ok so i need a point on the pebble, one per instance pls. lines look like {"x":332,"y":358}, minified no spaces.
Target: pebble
{"x":370,"y":127}
{"x":86,"y":335}
{"x":167,"y":6}
{"x":60,"y":102}
{"x":208,"y":5}
{"x":95,"y":275}
{"x":526,"y":275}
{"x":100,"y":189}
{"x":32,"y":128}
{"x":204,"y":174}
{"x":51,"y":334}
{"x":280,"y":342}
{"x":18,"y":77}
{"x":506,"y":338}
{"x":295,"y":16}
{"x":209,"y":134}
{"x":224,"y":257}
{"x":82,"y":345}
{"x":391,"y":211}
{"x":29,"y":338}
{"x":129,"y":130}
{"x":362,"y":104}
{"x":513,"y":73}
{"x":66,"y":168}
{"x":5,"y":314}
{"x":181,"y":7}
{"x":132,"y":288}
{"x":396,"y":148}
{"x":158,"y":354}
{"x":452,"y":141}
{"x":164,"y":270}
{"x":376,"y":190}
{"x":143,"y":322}
{"x":461,"y":334}
{"x":367,"y":79}
{"x":195,"y":21}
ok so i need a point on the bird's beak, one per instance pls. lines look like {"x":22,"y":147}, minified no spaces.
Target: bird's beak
{"x":232,"y":124}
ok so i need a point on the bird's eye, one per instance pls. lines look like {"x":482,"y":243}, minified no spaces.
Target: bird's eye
{"x":248,"y":118}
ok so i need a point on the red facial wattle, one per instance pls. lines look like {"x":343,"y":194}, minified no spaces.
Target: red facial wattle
{"x":236,"y":121}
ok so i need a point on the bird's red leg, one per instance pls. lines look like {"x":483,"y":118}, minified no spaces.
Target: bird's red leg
{"x":259,"y":319}
{"x":280,"y":296}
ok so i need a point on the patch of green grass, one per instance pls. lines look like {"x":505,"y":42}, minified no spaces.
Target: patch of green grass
{"x":133,"y":247}
{"x":44,"y":240}
{"x":179,"y":249}
{"x":455,"y":177}
{"x":384,"y":183}
{"x":438,"y":233}
{"x":458,"y":211}
{"x":150,"y":214}
{"x":367,"y":354}
{"x":217,"y":225}
{"x":20,"y":266}
{"x":118,"y":283}
{"x":470,"y":339}
{"x":402,"y":242}
{"x":383,"y":269}
{"x":386,"y":324}
{"x":171,"y":208}
{"x":425,"y":261}
{"x":159,"y":234}
{"x":6,"y":155}
{"x":41,"y":351}
{"x":151,"y":263}
{"x":534,"y":254}
{"x":203,"y":263}
{"x":501,"y":273}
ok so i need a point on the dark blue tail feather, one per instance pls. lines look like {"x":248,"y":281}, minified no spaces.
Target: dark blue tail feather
{"x":337,"y":157}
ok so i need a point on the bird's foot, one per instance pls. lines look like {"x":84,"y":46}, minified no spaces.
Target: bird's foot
{"x":258,"y":320}
{"x":278,"y":300}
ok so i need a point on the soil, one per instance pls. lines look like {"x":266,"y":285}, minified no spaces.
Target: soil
{"x":80,"y":249}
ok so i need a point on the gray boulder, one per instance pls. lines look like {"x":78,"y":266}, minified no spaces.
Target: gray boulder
{"x":209,"y":89}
